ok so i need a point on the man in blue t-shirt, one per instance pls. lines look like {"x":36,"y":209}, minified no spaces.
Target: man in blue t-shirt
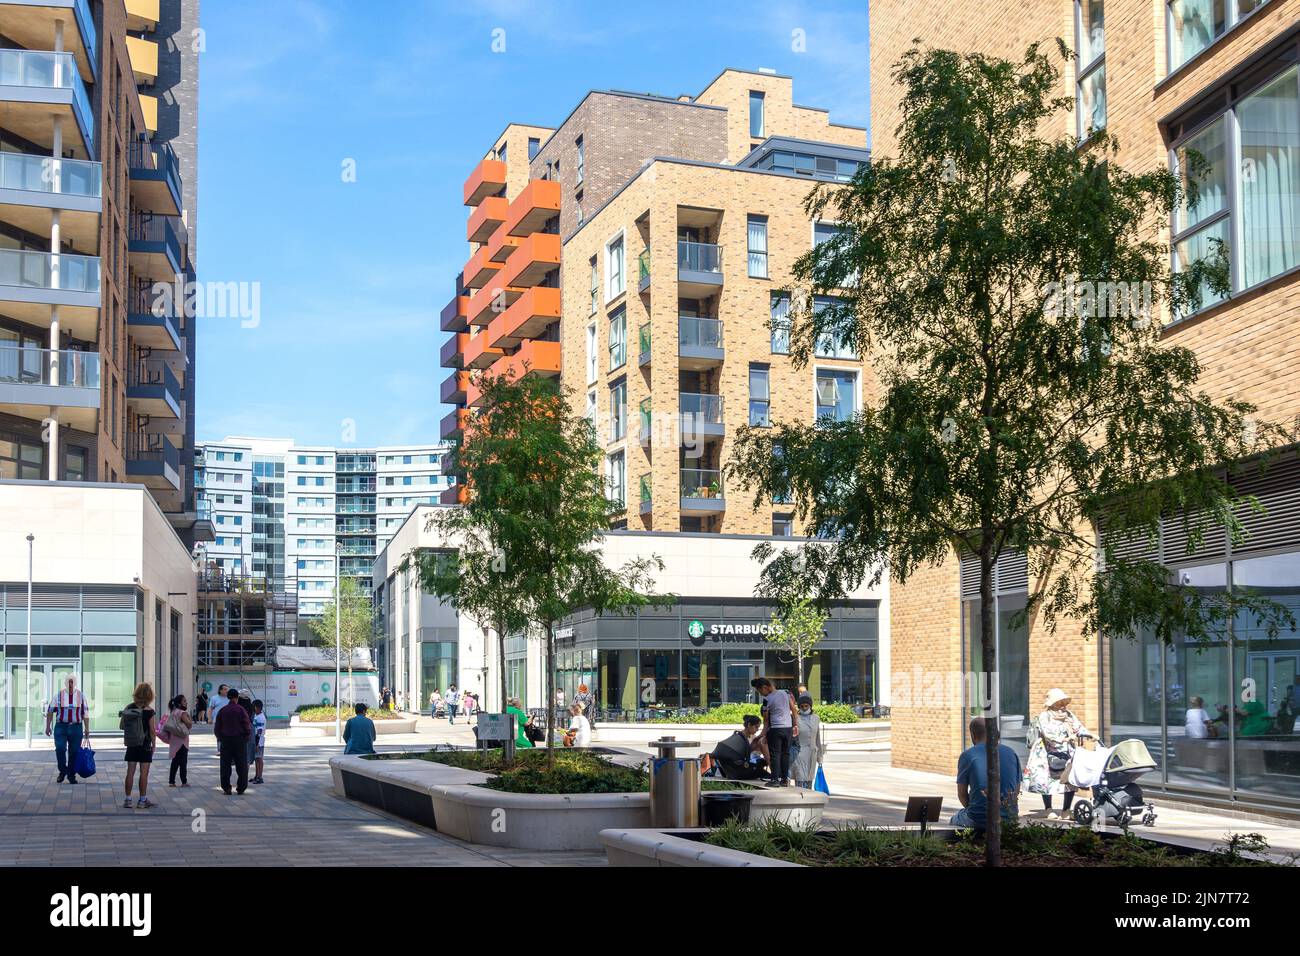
{"x":973,"y":781}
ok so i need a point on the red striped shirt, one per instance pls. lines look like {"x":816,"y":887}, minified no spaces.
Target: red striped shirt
{"x":70,"y":710}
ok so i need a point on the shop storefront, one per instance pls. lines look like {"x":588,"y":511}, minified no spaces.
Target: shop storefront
{"x":90,"y":632}
{"x":694,"y":655}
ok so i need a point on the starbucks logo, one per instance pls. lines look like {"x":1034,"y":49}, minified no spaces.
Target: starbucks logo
{"x":696,"y":631}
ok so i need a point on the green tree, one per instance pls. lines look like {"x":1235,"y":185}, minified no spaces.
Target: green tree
{"x":798,"y":627}
{"x":356,"y":625}
{"x":539,"y":471}
{"x":1011,"y":410}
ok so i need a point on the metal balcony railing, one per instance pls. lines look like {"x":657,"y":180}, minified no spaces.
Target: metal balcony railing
{"x":697,"y":332}
{"x":701,"y":483}
{"x":29,"y":366}
{"x":44,"y":70}
{"x":698,"y":256}
{"x":705,"y":409}
{"x":43,"y":270}
{"x":48,"y":174}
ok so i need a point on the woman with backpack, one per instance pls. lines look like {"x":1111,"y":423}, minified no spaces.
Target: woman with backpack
{"x":176,"y":734}
{"x":139,"y":724}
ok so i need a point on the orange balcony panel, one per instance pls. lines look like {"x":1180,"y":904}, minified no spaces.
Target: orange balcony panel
{"x":453,"y":388}
{"x":499,"y":246}
{"x":533,"y":358}
{"x":456,"y":495}
{"x":479,"y":269}
{"x":536,"y":256}
{"x":482,"y":302}
{"x":532,"y":208}
{"x":486,"y":218}
{"x":527,"y":318}
{"x":453,"y":314}
{"x":478,"y":354}
{"x":453,"y":424}
{"x":453,"y":350}
{"x":487,"y":179}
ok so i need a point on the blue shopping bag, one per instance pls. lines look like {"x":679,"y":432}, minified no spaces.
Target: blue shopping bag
{"x":84,"y":762}
{"x":819,"y":782}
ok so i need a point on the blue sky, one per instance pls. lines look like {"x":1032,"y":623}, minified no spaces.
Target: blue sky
{"x":353,"y":274}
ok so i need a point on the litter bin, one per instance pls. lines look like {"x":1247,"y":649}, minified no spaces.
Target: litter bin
{"x":721,"y":806}
{"x":674,"y":785}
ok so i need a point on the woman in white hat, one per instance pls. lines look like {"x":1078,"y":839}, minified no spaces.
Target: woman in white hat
{"x":1053,"y":736}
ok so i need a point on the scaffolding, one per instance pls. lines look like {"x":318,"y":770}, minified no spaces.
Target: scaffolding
{"x":242,"y":618}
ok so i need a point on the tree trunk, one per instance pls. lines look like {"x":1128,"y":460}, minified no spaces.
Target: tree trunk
{"x":351,"y":687}
{"x":550,"y":693}
{"x":799,"y":655}
{"x":992,"y":735}
{"x":501,"y":669}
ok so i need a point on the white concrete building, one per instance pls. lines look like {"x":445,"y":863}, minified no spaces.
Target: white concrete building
{"x":113,"y":598}
{"x":699,"y":651}
{"x":285,"y":513}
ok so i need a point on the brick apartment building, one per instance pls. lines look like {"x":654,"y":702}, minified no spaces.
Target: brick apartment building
{"x":1220,"y":78}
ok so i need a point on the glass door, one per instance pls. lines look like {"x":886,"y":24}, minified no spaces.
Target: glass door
{"x":738,"y":674}
{"x":31,"y":691}
{"x":1273,"y":675}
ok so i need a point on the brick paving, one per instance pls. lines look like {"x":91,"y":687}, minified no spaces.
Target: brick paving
{"x":294,"y":819}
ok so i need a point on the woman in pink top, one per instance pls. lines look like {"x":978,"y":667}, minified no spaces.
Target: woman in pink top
{"x":175,"y":732}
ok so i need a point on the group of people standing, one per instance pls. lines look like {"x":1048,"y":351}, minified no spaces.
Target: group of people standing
{"x":241,"y":736}
{"x":783,"y":741}
{"x":453,"y":702}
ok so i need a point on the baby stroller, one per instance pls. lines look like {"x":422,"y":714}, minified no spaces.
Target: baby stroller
{"x":1111,"y":773}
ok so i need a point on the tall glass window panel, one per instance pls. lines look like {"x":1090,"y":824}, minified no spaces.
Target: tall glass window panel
{"x":1203,"y":170}
{"x":759,"y":397}
{"x":1013,"y":671}
{"x":1193,"y":26}
{"x":1197,"y":678}
{"x":758,"y":247}
{"x":1092,"y":31}
{"x":1269,"y":121}
{"x":1092,"y":101}
{"x":836,"y":395}
{"x":618,"y":411}
{"x":780,"y":324}
{"x":660,"y":681}
{"x":618,"y":339}
{"x":755,"y":114}
{"x":1267,"y":748}
{"x":614,"y":268}
{"x":1209,"y":244}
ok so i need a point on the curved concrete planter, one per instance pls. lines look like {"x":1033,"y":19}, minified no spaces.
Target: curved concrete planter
{"x":298,"y":728}
{"x":447,"y":799}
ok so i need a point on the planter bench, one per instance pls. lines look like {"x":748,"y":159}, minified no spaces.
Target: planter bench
{"x":448,"y":800}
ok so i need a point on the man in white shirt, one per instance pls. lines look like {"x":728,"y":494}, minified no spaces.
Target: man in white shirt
{"x":70,"y":716}
{"x":780,"y":729}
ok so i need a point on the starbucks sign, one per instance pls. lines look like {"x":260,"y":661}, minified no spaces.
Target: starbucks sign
{"x":756,"y":633}
{"x":695,"y":629}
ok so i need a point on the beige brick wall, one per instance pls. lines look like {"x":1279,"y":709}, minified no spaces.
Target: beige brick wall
{"x":648,"y":209}
{"x":1248,"y":346}
{"x":781,"y":116}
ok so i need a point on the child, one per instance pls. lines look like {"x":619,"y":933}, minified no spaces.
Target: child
{"x":259,"y":739}
{"x":1197,"y":722}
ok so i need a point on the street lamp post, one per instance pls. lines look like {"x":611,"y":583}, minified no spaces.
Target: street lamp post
{"x":27,"y":692}
{"x":338,"y":644}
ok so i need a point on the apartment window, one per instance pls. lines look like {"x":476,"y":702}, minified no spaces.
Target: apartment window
{"x":221,"y":456}
{"x":837,"y":397}
{"x":618,"y":338}
{"x":757,"y":239}
{"x":577,"y":202}
{"x":302,"y":459}
{"x":74,"y":464}
{"x":756,"y":114}
{"x":618,"y":410}
{"x":615,"y":278}
{"x":828,"y":344}
{"x":780,"y":323}
{"x":1090,"y":42}
{"x":1246,"y":166}
{"x":759,"y":395}
{"x":534,"y":144}
{"x":823,"y":231}
{"x":593,"y":369}
{"x":591,"y":409}
{"x":783,"y":526}
{"x":19,"y":458}
{"x":582,"y":158}
{"x":595,"y":285}
{"x":616,"y":469}
{"x":1192,"y":25}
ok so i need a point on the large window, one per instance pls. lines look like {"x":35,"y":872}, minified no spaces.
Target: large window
{"x":757,"y":241}
{"x":618,"y":338}
{"x":759,"y":395}
{"x":615,"y":277}
{"x":828,"y":344}
{"x":582,"y":158}
{"x":837,"y":394}
{"x":1090,"y":44}
{"x":593,"y":364}
{"x":780,"y":323}
{"x":1252,"y":152}
{"x":595,"y":285}
{"x":617,"y":476}
{"x":618,"y":410}
{"x":1192,"y":25}
{"x":756,"y":123}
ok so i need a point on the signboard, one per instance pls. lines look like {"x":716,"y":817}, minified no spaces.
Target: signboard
{"x":283,"y":692}
{"x":496,"y":727}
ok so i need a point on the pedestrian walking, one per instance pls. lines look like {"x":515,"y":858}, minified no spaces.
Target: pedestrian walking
{"x":587,"y":701}
{"x":138,"y":724}
{"x":201,"y":706}
{"x":359,"y":733}
{"x":176,"y":733}
{"x":259,"y":739}
{"x":453,"y":702}
{"x":435,"y":701}
{"x":232,"y":728}
{"x":70,"y":716}
{"x":246,"y":702}
{"x":469,"y":704}
{"x":812,"y":747}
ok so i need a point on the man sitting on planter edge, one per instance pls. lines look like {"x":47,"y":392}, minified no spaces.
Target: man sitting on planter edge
{"x":973,"y":781}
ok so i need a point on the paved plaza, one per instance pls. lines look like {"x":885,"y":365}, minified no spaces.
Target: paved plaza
{"x":295,"y":818}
